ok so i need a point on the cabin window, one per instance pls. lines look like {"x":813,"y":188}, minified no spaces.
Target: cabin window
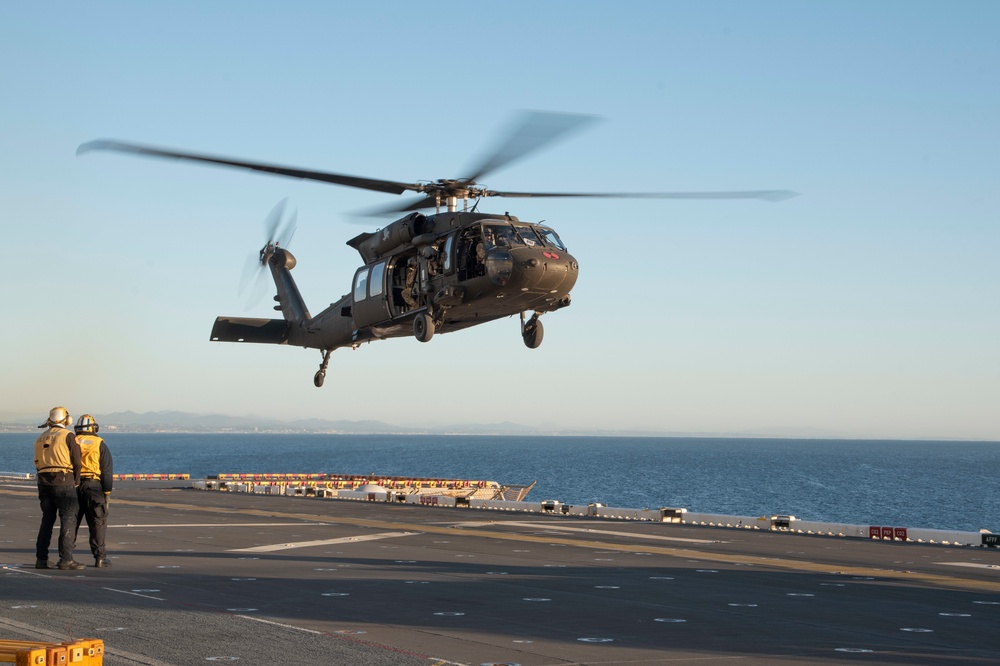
{"x":361,"y":285}
{"x":448,"y":250}
{"x":375,"y":283}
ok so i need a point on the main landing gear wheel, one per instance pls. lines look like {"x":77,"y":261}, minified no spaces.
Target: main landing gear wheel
{"x":423,"y":327}
{"x":532,"y":333}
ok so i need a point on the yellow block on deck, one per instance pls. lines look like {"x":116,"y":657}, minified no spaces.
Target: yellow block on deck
{"x":84,"y":652}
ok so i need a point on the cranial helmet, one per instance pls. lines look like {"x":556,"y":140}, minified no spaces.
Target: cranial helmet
{"x":58,"y":416}
{"x":87,"y":423}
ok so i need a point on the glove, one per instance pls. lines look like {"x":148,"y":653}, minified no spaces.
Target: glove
{"x":107,"y":499}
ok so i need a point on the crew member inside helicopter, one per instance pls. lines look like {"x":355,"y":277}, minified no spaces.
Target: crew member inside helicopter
{"x":471,"y":254}
{"x":411,"y":279}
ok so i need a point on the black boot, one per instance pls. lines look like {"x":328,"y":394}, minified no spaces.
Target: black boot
{"x":102,"y":563}
{"x":70,"y":565}
{"x":42,"y":564}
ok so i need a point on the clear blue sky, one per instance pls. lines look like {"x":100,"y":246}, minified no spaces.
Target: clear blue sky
{"x":868,"y":306}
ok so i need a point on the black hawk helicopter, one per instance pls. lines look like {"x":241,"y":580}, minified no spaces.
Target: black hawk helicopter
{"x":425,"y":273}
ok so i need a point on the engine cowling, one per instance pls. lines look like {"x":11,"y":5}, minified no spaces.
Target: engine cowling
{"x":395,"y":235}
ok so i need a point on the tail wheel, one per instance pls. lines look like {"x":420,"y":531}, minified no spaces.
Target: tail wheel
{"x":321,"y":373}
{"x":423,"y":327}
{"x":533,"y":333}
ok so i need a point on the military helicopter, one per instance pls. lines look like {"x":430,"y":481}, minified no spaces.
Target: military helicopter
{"x":425,"y":274}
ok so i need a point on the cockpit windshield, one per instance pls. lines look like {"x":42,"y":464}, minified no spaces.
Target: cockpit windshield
{"x":528,"y":235}
{"x":500,"y":235}
{"x":519,"y":235}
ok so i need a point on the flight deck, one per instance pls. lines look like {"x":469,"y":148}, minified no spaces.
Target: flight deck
{"x":204,"y":577}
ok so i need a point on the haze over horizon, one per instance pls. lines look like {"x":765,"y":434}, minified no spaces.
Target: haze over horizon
{"x":870,"y":304}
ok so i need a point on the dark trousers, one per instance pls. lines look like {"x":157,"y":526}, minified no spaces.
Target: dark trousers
{"x":94,"y":507}
{"x":57,"y":501}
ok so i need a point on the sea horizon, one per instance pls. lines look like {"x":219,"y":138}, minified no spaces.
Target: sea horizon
{"x":941,"y":484}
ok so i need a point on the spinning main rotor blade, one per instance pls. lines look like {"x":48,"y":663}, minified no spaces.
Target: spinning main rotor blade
{"x":394,"y":209}
{"x":531,"y":131}
{"x":389,"y":186}
{"x":765,"y":195}
{"x":772,"y":196}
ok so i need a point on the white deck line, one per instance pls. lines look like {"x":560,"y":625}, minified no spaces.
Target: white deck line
{"x":552,"y":527}
{"x":324,"y":542}
{"x":161,"y":525}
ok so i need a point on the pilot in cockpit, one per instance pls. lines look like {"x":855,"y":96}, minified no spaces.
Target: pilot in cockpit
{"x":506,"y":237}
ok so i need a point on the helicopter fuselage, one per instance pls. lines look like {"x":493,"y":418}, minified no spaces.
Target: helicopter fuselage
{"x":423,"y":274}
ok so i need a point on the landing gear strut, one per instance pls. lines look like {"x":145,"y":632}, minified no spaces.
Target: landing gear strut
{"x":531,"y":331}
{"x":321,"y":373}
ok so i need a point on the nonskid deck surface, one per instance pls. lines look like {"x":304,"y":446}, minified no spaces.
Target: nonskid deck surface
{"x":202,"y":577}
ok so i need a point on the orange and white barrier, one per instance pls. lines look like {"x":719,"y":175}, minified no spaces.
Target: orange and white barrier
{"x":354,"y":481}
{"x":151,"y":477}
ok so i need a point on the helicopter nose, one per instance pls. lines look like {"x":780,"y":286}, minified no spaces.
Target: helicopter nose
{"x":550,"y":271}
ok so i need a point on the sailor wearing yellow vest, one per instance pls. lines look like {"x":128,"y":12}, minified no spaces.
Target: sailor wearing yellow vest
{"x":57,"y":459}
{"x":96,"y":476}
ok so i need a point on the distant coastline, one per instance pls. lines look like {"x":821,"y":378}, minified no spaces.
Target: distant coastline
{"x":175,"y":422}
{"x":377,"y":428}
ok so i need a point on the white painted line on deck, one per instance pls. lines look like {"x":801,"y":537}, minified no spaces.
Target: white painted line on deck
{"x":324,"y":542}
{"x":218,"y":525}
{"x":280,"y":624}
{"x":549,"y":527}
{"x":974,"y":565}
{"x":134,"y":594}
{"x":18,"y":569}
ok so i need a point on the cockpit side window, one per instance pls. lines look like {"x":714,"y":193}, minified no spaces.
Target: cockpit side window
{"x":551,"y":238}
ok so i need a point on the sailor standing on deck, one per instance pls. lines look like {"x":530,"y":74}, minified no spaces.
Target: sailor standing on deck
{"x":96,"y":478}
{"x":57,"y":459}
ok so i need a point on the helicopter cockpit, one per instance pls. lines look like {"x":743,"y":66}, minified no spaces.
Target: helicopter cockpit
{"x":505,"y":235}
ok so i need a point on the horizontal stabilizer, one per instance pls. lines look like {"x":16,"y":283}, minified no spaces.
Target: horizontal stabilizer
{"x":249,"y":329}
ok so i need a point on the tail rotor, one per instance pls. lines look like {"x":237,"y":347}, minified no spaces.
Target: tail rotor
{"x":279,"y":229}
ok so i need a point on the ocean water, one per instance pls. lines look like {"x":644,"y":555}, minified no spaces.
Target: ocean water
{"x":944,"y":485}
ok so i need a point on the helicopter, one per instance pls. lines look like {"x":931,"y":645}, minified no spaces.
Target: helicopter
{"x":424,"y":274}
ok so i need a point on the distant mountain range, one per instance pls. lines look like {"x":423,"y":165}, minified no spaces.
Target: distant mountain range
{"x":174,"y":421}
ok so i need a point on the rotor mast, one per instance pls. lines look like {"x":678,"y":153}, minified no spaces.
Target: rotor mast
{"x":451,"y":191}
